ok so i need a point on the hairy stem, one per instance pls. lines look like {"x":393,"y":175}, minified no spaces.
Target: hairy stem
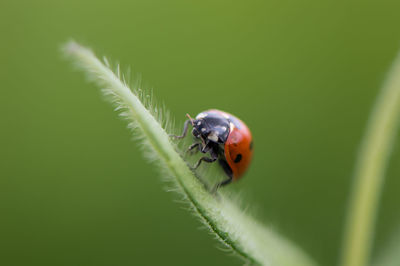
{"x":238,"y":231}
{"x":370,"y":171}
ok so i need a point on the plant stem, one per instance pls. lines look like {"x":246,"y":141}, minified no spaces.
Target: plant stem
{"x":389,"y":254}
{"x":238,"y":231}
{"x":370,"y":171}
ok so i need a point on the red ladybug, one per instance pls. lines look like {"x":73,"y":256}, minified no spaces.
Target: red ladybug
{"x":226,"y":138}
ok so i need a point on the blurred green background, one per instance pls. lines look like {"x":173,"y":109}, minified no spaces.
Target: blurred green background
{"x":74,"y":188}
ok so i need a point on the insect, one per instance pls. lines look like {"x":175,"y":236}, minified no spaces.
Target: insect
{"x":225,"y":138}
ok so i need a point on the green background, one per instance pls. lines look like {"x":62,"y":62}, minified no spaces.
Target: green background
{"x":74,"y":188}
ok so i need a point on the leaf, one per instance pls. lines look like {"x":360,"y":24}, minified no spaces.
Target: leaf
{"x":238,"y":231}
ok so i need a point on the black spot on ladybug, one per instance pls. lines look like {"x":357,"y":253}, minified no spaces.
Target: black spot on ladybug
{"x":251,"y":145}
{"x":238,"y":158}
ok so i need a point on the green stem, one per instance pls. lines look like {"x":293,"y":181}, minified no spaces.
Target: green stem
{"x":370,"y":171}
{"x":389,"y":254}
{"x":245,"y":236}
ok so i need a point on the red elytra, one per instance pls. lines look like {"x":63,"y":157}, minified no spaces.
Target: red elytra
{"x":239,"y":145}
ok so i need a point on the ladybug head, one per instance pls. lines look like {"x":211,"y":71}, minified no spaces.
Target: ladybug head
{"x":200,"y":129}
{"x":210,"y":129}
{"x":196,"y":133}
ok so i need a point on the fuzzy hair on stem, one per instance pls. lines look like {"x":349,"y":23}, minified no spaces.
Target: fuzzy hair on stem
{"x":237,"y":231}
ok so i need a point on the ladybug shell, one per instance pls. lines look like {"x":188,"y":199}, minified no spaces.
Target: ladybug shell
{"x":238,"y":148}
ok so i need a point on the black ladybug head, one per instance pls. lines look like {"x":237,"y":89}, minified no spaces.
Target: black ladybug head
{"x":211,"y":128}
{"x":196,"y":132}
{"x":200,"y":127}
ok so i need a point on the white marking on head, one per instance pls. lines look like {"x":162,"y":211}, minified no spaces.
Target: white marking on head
{"x":199,"y":123}
{"x":213,"y":136}
{"x":201,"y":115}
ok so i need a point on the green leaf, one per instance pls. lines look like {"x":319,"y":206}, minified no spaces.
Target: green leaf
{"x":238,"y":231}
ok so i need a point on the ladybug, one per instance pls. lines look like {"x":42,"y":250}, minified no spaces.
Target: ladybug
{"x":225,"y":138}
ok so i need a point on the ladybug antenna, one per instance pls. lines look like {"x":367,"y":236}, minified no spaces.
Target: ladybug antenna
{"x":191,"y":119}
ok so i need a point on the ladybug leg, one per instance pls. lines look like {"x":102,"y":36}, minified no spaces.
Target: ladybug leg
{"x":221,"y":184}
{"x":228,"y":172}
{"x":205,"y":159}
{"x":225,"y":166}
{"x":214,"y":157}
{"x":192,"y":148}
{"x":184,"y":132}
